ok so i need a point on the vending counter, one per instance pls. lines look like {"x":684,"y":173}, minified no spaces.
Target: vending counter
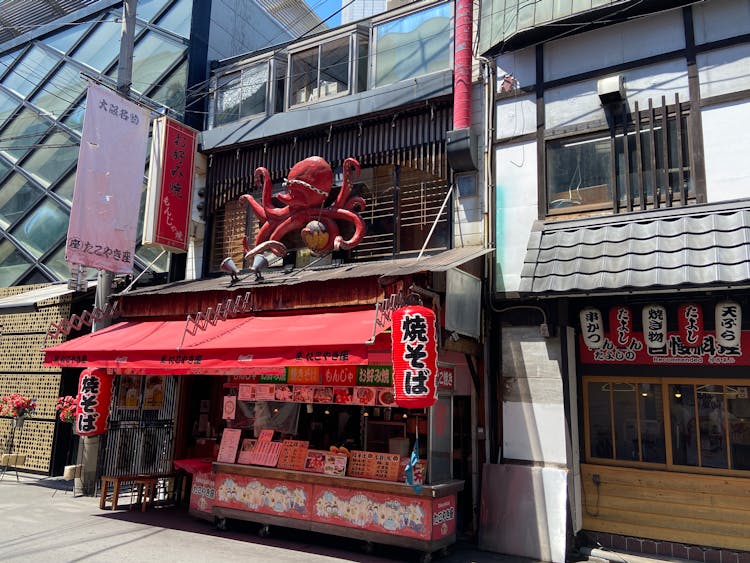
{"x":373,"y":511}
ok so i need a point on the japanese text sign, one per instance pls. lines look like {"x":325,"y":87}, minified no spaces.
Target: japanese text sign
{"x":414,"y":350}
{"x":170,"y":185}
{"x":728,"y":323}
{"x":109,"y":179}
{"x":690,"y":323}
{"x":592,"y":327}
{"x":94,"y":396}
{"x":620,"y":325}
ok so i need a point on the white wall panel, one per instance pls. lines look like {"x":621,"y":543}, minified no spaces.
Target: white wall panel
{"x":516,"y":209}
{"x":521,"y":64}
{"x":515,"y":116}
{"x":726,"y":138}
{"x":614,"y":45}
{"x":724,"y":70}
{"x":720,"y":19}
{"x":572,"y":104}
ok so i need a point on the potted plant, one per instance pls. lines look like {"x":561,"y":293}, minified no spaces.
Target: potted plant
{"x":66,"y":408}
{"x":18,"y":406}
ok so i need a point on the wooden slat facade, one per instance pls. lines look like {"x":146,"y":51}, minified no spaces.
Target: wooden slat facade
{"x":665,"y":505}
{"x":417,"y":135}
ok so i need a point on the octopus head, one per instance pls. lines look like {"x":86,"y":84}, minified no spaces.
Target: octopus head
{"x":308,"y":184}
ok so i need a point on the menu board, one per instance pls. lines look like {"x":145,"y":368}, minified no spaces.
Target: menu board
{"x":293,"y":454}
{"x":230,"y":441}
{"x":329,"y":463}
{"x":373,"y":465}
{"x":247,"y":447}
{"x":265,"y":453}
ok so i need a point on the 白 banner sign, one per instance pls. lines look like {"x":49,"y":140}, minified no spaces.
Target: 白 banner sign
{"x":170,"y":185}
{"x":109,"y":180}
{"x":728,"y":323}
{"x":414,"y":350}
{"x":94,"y":396}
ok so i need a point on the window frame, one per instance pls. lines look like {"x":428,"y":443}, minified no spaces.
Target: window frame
{"x":631,"y":190}
{"x":664,"y":382}
{"x":351,"y":72}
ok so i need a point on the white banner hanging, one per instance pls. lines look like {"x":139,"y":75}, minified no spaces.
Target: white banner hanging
{"x":655,"y":329}
{"x":109,"y":181}
{"x":728,"y":324}
{"x":592,"y":328}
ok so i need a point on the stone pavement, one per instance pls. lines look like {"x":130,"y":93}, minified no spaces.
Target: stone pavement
{"x":42,"y":520}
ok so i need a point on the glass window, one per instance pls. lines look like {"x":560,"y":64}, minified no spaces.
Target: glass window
{"x":320,"y":72}
{"x":172,"y":92}
{"x":4,"y":167}
{"x":414,"y":45}
{"x":242,"y":94}
{"x":147,"y":8}
{"x":30,"y":71}
{"x":21,"y":134}
{"x":43,"y":228}
{"x":8,"y":104}
{"x":177,"y":19}
{"x":53,"y":158}
{"x":56,"y":262}
{"x":102,"y":45}
{"x":64,"y":40}
{"x":153,"y":55}
{"x":60,"y":91}
{"x":600,"y":420}
{"x":16,"y":196}
{"x":7,"y":60}
{"x":13,"y":264}
{"x":648,"y":165}
{"x":74,"y":119}
{"x":65,"y":188}
{"x":709,"y":424}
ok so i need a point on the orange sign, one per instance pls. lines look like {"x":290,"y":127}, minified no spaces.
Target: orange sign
{"x":303,"y":375}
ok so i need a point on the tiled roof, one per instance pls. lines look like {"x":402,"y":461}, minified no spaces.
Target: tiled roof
{"x":682,"y":247}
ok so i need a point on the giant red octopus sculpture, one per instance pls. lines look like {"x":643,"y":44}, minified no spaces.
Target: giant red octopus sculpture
{"x":308,"y":188}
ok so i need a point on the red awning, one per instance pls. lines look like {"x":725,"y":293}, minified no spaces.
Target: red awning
{"x":233,"y":346}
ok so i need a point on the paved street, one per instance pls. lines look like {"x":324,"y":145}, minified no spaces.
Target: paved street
{"x":42,"y":521}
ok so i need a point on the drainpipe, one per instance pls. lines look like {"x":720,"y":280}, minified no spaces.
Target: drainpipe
{"x":461,"y":144}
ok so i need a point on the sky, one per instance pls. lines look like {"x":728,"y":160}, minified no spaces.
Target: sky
{"x":324,"y":9}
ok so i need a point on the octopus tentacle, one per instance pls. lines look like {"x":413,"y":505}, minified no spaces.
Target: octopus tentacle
{"x":355,"y":202}
{"x":339,"y":243}
{"x":260,"y":213}
{"x":296,"y":221}
{"x":351,"y":172}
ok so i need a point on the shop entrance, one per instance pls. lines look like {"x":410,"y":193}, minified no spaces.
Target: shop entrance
{"x":462,"y":462}
{"x":140,"y":436}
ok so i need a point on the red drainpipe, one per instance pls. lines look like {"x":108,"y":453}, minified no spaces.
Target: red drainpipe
{"x":462,"y":65}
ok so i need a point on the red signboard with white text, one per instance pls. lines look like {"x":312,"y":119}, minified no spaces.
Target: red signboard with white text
{"x":170,"y":186}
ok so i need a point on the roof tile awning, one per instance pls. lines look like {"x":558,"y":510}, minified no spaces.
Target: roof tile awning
{"x":684,"y":247}
{"x":233,"y":346}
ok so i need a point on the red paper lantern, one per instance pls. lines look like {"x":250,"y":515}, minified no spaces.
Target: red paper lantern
{"x":690,"y":323}
{"x":94,"y":396}
{"x":414,"y":350}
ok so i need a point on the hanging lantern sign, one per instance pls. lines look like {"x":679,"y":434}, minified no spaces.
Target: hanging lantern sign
{"x":620,"y":325}
{"x":655,"y":329}
{"x":414,"y":349}
{"x":728,"y":324}
{"x":690,"y":323}
{"x":94,"y":396}
{"x":592,"y":328}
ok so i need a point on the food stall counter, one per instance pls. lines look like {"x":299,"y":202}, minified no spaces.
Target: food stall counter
{"x":421,"y":518}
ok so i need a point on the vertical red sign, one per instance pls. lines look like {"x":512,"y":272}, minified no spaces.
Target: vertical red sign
{"x":170,"y":186}
{"x":443,"y":517}
{"x":94,"y":396}
{"x":446,"y":378}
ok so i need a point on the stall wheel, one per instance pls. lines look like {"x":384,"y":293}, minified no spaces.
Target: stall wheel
{"x":220,"y":523}
{"x":426,"y":557}
{"x":264,"y":531}
{"x":368,"y":547}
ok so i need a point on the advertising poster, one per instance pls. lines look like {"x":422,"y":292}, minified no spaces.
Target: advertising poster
{"x":153,"y":395}
{"x":129,"y":394}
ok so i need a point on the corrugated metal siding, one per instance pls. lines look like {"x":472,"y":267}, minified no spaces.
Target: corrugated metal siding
{"x":394,"y":139}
